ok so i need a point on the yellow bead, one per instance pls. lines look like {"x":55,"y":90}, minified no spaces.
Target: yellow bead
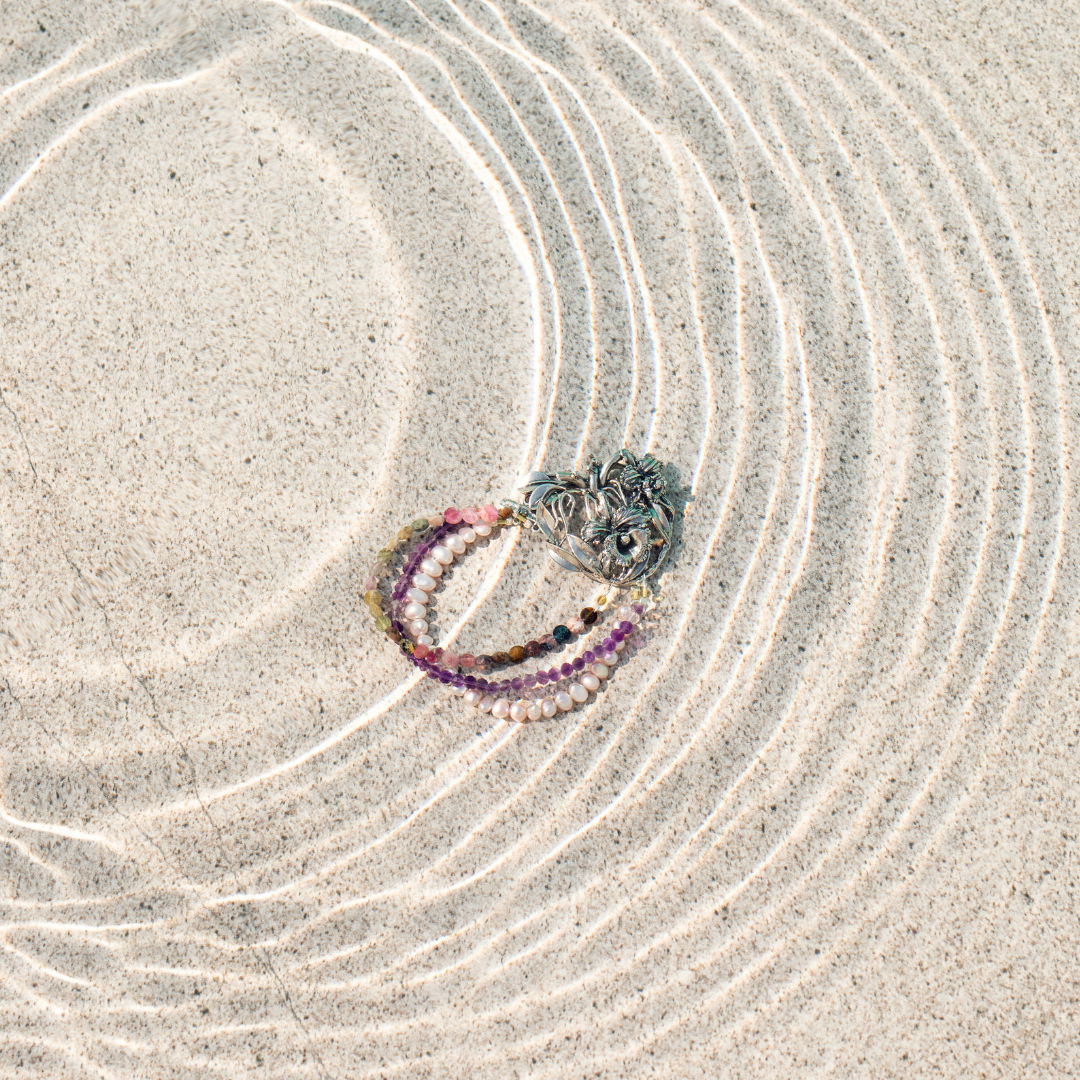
{"x":373,"y":596}
{"x":600,"y":601}
{"x":405,"y":533}
{"x":382,"y":623}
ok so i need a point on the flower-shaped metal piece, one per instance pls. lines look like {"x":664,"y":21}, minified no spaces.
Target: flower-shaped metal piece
{"x":613,"y":522}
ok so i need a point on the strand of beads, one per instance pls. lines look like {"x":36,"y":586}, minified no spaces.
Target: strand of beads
{"x":421,"y":576}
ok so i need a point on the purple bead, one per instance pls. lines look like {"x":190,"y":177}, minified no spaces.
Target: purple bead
{"x":481,"y":684}
{"x":504,"y":687}
{"x":617,"y":635}
{"x":566,"y":670}
{"x":433,"y":675}
{"x":542,"y":677}
{"x":609,"y":644}
{"x":579,"y":664}
{"x":517,"y":684}
{"x":639,"y":608}
{"x":554,"y":675}
{"x":589,"y":657}
{"x":444,"y":678}
{"x":470,"y":681}
{"x":395,"y":624}
{"x":458,"y":680}
{"x":626,"y":627}
{"x":530,"y":680}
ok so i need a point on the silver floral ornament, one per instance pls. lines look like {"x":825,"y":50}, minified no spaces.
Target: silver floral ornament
{"x":612,"y":522}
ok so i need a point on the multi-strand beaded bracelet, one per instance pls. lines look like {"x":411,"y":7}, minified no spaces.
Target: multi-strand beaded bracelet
{"x":438,"y":541}
{"x":612,"y":523}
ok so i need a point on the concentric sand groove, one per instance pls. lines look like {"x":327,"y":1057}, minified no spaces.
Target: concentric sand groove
{"x":277,"y":277}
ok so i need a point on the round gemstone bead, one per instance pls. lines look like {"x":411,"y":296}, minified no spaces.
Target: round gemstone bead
{"x":434,"y":522}
{"x":501,"y":658}
{"x":576,"y":626}
{"x":470,"y":514}
{"x":530,"y":681}
{"x":566,"y":670}
{"x":589,"y":615}
{"x":517,"y":684}
{"x":370,"y":583}
{"x":577,"y":692}
{"x":561,"y":634}
{"x":532,"y":648}
{"x":466,"y":660}
{"x":608,"y":643}
{"x":489,"y":513}
{"x":421,"y":524}
{"x":548,"y":707}
{"x":382,"y":623}
{"x":554,"y":674}
{"x":483,"y":663}
{"x":542,"y":677}
{"x":517,"y":654}
{"x":450,"y":659}
{"x":547,"y":642}
{"x":588,"y":656}
{"x":639,"y":609}
{"x":617,"y":636}
{"x":452,"y":515}
{"x":579,"y":664}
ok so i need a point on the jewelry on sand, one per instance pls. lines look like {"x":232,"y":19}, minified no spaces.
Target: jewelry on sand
{"x":613,"y":523}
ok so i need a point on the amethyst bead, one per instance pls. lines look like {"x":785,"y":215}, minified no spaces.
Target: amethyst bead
{"x":589,"y":657}
{"x":444,"y":678}
{"x":626,"y":627}
{"x":554,"y":674}
{"x":640,"y":609}
{"x":579,"y":664}
{"x":470,"y":681}
{"x":609,"y":644}
{"x":458,"y":680}
{"x":567,"y":670}
{"x":617,"y":635}
{"x":530,"y":681}
{"x":517,"y":684}
{"x":433,"y":675}
{"x":542,"y":677}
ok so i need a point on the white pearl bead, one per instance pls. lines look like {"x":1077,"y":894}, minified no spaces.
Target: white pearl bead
{"x":601,"y":671}
{"x":620,"y":645}
{"x":424,"y":582}
{"x":455,"y":543}
{"x":414,"y":611}
{"x":564,"y":701}
{"x":418,"y":627}
{"x":534,"y":711}
{"x":548,"y":707}
{"x":501,"y":709}
{"x":474,"y":697}
{"x":425,"y":639}
{"x":518,"y":712}
{"x":482,"y":528}
{"x":578,"y":692}
{"x":610,"y":658}
{"x":624,"y":613}
{"x":431,"y":567}
{"x":442,"y":554}
{"x":416,"y":595}
{"x":457,"y":690}
{"x":485,"y":703}
{"x":467,"y":534}
{"x":590,"y":682}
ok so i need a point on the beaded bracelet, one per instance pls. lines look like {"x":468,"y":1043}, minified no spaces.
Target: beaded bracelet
{"x":621,"y":501}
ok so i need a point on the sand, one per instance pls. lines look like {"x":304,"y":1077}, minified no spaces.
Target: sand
{"x":276,"y":278}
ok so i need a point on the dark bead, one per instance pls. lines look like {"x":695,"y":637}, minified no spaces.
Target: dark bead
{"x":532,"y":648}
{"x":470,"y":681}
{"x":567,"y":670}
{"x":500,"y":658}
{"x":484,"y":663}
{"x":458,"y":680}
{"x":579,"y":664}
{"x":546,"y":646}
{"x":505,"y":512}
{"x":561,"y":634}
{"x":517,"y":654}
{"x":589,"y":615}
{"x":445,"y":677}
{"x":433,"y":675}
{"x":394,"y":636}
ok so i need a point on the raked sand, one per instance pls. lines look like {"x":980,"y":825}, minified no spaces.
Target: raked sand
{"x":276,"y":278}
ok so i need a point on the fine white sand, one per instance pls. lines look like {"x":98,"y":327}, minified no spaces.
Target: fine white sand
{"x":277,"y":278}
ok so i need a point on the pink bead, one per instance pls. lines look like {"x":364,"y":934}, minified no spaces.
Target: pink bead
{"x":452,"y":515}
{"x":370,"y":583}
{"x":450,"y":659}
{"x":576,"y":626}
{"x":420,"y":651}
{"x":466,"y":659}
{"x":435,"y":520}
{"x":471,"y":514}
{"x":489,"y":513}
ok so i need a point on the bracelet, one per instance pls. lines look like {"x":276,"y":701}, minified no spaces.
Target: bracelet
{"x":624,"y":532}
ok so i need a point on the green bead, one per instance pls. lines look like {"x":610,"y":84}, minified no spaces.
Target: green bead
{"x":384,"y":556}
{"x":420,"y":525}
{"x":382,"y":623}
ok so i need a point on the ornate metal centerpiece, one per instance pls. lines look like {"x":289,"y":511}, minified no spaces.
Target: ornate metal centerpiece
{"x":612,"y":522}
